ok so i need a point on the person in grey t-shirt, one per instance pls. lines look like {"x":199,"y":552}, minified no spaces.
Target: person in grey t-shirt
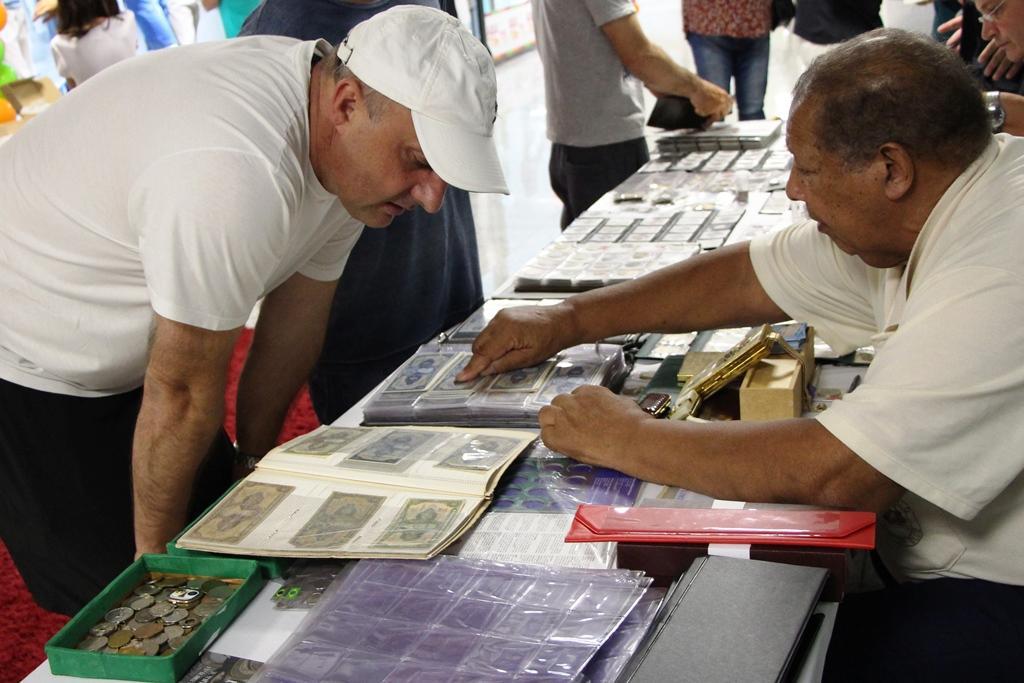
{"x":596,"y":57}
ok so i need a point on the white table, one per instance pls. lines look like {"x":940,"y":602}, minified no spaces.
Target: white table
{"x":260,"y":629}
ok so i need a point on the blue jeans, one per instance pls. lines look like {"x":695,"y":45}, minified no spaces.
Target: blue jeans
{"x":151,"y":16}
{"x":721,"y":58}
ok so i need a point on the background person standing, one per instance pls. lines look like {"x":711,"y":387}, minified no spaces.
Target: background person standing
{"x":596,"y":61}
{"x":730,"y":40}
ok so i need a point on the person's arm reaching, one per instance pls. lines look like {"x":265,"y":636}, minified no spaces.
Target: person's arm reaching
{"x":784,"y":461}
{"x":288,"y":338}
{"x":659,"y":73}
{"x":182,"y":409}
{"x":673,"y":299}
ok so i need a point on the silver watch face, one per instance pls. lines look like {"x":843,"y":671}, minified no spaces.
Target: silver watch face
{"x":996,"y":113}
{"x":998,"y":117}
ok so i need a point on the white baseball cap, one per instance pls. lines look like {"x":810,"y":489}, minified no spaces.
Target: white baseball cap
{"x":425,"y":60}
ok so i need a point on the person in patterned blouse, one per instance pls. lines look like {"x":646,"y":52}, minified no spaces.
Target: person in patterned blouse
{"x":729,"y":39}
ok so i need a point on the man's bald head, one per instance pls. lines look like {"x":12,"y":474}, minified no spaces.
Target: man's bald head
{"x":891,"y":85}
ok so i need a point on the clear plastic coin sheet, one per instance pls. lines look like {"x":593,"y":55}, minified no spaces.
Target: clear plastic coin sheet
{"x":612,"y":658}
{"x":305,"y":583}
{"x":467,"y":331}
{"x":569,"y":267}
{"x":424,"y":389}
{"x":451,"y":619}
{"x":734,"y":135}
{"x":545,"y":481}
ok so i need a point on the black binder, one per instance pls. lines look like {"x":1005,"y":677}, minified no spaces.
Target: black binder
{"x":730,"y":620}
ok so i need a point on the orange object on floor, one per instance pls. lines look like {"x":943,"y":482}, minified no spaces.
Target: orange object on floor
{"x":7,"y":112}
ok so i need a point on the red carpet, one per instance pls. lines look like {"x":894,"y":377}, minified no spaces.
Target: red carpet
{"x":24,"y":627}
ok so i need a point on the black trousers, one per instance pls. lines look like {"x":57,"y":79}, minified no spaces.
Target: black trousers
{"x":65,"y":490}
{"x":336,"y":387}
{"x":936,"y":630}
{"x":580,"y":175}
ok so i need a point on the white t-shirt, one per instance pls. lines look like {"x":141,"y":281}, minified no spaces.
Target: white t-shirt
{"x":591,"y":98}
{"x":111,"y":41}
{"x":941,"y":408}
{"x":177,"y":182}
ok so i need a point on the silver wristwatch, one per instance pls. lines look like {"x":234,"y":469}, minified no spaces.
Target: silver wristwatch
{"x":995,"y":110}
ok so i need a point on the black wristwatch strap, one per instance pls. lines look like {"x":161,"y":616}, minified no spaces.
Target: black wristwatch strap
{"x":246,"y":460}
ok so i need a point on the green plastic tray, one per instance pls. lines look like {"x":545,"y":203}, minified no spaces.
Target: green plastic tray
{"x":65,"y":659}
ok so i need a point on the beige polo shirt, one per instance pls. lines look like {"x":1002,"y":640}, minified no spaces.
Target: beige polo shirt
{"x":941,"y":409}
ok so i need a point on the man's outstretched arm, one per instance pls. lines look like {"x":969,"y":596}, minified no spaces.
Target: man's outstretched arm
{"x":659,"y":73}
{"x":783,"y":461}
{"x":677,"y":298}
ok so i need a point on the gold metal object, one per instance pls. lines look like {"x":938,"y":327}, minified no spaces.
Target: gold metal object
{"x":758,"y":344}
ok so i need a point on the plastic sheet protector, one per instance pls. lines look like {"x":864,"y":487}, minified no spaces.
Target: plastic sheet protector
{"x":424,"y":391}
{"x":531,"y":538}
{"x":453,"y":621}
{"x":612,"y":658}
{"x":546,"y":481}
{"x":467,"y":331}
{"x":599,"y":262}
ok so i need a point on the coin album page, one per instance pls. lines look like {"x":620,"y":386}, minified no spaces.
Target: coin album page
{"x":451,"y":619}
{"x":572,"y":267}
{"x":424,"y":390}
{"x":544,"y":481}
{"x":734,"y":135}
{"x":402,"y":492}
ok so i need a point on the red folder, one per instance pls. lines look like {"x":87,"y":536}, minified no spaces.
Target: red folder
{"x":817,"y":528}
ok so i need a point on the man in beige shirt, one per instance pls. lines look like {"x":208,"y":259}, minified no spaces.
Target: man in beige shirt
{"x":914,"y":247}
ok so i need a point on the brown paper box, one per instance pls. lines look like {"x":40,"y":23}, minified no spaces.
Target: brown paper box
{"x":772,"y":390}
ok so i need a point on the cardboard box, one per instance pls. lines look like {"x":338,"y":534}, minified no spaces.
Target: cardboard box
{"x":66,"y":659}
{"x":772,"y":390}
{"x":30,"y":96}
{"x":805,"y":349}
{"x":666,"y":562}
{"x":695,"y":361}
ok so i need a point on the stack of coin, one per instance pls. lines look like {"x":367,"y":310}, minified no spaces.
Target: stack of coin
{"x":159,"y":615}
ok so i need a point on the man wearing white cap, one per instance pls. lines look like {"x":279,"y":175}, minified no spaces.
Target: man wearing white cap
{"x":130,"y":258}
{"x":402,"y":286}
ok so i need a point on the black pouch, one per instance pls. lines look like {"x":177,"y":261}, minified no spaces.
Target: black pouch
{"x":672,"y":112}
